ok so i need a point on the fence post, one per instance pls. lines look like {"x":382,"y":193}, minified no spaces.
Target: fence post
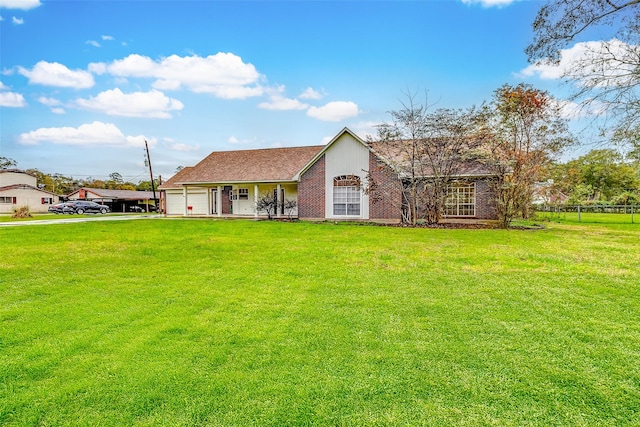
{"x":579,"y":214}
{"x":631,"y":214}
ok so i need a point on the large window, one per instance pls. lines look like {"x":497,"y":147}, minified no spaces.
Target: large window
{"x":461,"y":200}
{"x":239,"y":194}
{"x":9,"y":200}
{"x":346,"y":195}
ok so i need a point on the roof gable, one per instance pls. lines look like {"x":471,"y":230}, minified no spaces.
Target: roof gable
{"x":334,"y":140}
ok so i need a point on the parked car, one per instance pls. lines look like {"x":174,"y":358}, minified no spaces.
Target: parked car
{"x":61,"y":208}
{"x":85,"y":206}
{"x":136,"y":208}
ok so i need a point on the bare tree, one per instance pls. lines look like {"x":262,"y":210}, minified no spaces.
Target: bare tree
{"x":606,"y":73}
{"x":267,"y":202}
{"x":422,"y":153}
{"x":290,"y":207}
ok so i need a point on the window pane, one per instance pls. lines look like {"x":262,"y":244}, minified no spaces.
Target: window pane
{"x":353,"y":209}
{"x":460,"y":200}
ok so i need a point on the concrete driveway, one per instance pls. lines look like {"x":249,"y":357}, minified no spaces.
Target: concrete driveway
{"x":87,"y":218}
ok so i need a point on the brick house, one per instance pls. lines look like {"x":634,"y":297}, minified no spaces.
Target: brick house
{"x":326,"y":182}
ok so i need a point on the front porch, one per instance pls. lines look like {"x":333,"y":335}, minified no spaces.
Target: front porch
{"x":243,"y":200}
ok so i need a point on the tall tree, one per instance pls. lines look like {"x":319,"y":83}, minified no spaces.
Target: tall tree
{"x":606,"y":73}
{"x":7,"y":163}
{"x":423,"y":152}
{"x":528,"y":130}
{"x":605,"y":173}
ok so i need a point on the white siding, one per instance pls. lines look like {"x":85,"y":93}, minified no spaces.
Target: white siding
{"x":27,"y":197}
{"x":346,"y":156}
{"x":245,"y":207}
{"x":12,"y":178}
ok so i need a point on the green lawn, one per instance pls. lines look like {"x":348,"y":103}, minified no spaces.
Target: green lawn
{"x":243,"y":323}
{"x":590,"y":217}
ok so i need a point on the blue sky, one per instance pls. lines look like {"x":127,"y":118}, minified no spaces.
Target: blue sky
{"x":84,"y":83}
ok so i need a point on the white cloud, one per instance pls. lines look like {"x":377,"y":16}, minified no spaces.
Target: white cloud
{"x":592,"y":64}
{"x":54,"y":104}
{"x":489,"y":3}
{"x":92,"y":43}
{"x":310,"y":93}
{"x":281,"y":103}
{"x":236,"y":141}
{"x":153,"y":104}
{"x":55,"y":74}
{"x":223,"y":75}
{"x":91,"y":134}
{"x":17,"y":21}
{"x":12,"y":99}
{"x":184,"y":147}
{"x":571,"y":110}
{"x":334,"y":111}
{"x":49,"y":102}
{"x":19,"y":4}
{"x":107,"y":37}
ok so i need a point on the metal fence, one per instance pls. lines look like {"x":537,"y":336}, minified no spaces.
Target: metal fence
{"x":591,"y":213}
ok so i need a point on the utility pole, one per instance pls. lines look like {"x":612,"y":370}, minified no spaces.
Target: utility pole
{"x":153,"y":185}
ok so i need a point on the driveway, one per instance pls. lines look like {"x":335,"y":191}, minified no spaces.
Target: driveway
{"x":79,"y":219}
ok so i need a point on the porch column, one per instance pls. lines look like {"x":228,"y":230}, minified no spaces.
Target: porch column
{"x":219,"y":201}
{"x":278,"y":202}
{"x":186,"y":202}
{"x":208,"y":211}
{"x":255,"y":200}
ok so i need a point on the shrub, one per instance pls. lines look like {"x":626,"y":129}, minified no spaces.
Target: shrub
{"x":22,"y":212}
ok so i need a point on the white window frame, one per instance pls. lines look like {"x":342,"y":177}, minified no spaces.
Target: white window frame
{"x":347,"y":198}
{"x":461,"y":200}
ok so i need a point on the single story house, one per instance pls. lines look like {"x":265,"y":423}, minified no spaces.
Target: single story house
{"x":117,"y":200}
{"x":19,"y":188}
{"x":325,"y":182}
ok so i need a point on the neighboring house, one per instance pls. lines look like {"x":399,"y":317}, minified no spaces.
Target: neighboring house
{"x":545,"y":193}
{"x":117,"y":200}
{"x":19,"y":188}
{"x":326,"y":182}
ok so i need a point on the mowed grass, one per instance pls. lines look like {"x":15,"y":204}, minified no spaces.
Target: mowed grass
{"x":590,"y":217}
{"x":242,"y":323}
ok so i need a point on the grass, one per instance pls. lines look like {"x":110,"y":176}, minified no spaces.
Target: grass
{"x":590,"y":217}
{"x":236,"y":323}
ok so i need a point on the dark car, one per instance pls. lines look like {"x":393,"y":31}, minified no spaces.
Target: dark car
{"x":61,"y":208}
{"x":85,"y":206}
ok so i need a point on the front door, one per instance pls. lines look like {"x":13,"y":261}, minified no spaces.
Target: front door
{"x":226,"y":203}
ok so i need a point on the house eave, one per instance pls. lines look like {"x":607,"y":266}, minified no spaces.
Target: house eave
{"x":212,"y":183}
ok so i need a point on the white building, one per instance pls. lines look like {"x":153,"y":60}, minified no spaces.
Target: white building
{"x":18,"y":188}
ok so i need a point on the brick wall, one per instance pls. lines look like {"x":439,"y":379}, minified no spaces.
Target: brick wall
{"x":385,"y":200}
{"x":311,"y":191}
{"x":485,"y":200}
